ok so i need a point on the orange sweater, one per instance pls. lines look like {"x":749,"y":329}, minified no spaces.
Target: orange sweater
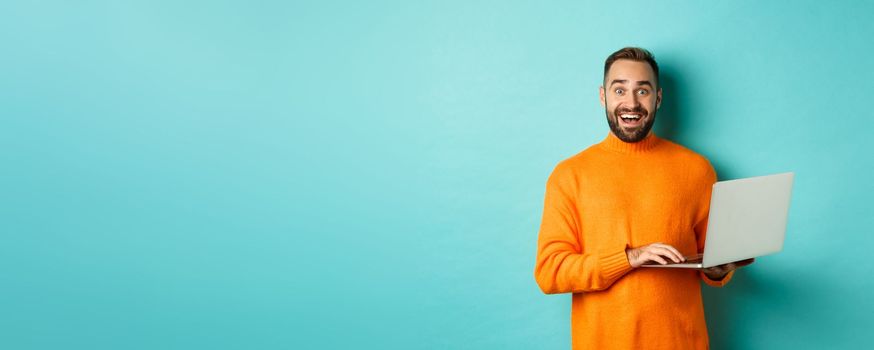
{"x":615,"y":195}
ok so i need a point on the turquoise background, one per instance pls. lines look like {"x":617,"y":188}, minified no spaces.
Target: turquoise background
{"x":370,"y":175}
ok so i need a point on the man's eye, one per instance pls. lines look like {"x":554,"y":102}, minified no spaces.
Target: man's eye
{"x":619,"y":91}
{"x":642,"y":92}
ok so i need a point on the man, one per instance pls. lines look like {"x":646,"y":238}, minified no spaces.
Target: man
{"x":630,"y":199}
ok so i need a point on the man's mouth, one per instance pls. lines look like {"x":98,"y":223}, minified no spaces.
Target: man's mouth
{"x":630,"y":119}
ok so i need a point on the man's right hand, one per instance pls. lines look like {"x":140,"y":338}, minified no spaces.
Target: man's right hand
{"x":657,"y":252}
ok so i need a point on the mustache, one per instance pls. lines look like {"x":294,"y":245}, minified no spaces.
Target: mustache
{"x":639,"y":110}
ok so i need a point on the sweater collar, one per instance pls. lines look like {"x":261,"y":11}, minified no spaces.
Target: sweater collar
{"x":613,"y":143}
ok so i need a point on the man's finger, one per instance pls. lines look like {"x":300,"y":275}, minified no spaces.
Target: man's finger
{"x":654,"y":257}
{"x":677,"y":253}
{"x":666,"y":253}
{"x":670,"y":252}
{"x":659,"y":259}
{"x":671,"y":248}
{"x":718,"y":269}
{"x":743,"y":263}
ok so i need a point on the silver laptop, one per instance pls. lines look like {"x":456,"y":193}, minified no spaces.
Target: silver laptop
{"x":747,"y":219}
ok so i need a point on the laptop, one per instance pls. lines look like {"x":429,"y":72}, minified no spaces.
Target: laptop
{"x":747,"y":219}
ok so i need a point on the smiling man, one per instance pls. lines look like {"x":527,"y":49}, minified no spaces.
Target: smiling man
{"x":630,"y":199}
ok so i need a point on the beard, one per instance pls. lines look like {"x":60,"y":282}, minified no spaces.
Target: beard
{"x":634,"y":135}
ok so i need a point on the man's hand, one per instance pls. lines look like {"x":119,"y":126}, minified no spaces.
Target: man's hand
{"x":719,"y":272}
{"x":657,"y":252}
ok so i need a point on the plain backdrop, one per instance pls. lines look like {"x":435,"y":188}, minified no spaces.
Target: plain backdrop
{"x":370,"y":174}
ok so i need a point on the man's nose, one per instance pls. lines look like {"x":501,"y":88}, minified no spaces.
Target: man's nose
{"x":634,"y":100}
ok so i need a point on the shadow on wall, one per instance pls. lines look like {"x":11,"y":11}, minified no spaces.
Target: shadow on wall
{"x":672,"y":120}
{"x":752,"y":291}
{"x":728,"y":309}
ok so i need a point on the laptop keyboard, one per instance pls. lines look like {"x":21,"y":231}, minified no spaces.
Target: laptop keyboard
{"x":694,"y":259}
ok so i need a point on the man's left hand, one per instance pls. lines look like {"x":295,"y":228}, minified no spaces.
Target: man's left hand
{"x":719,"y":272}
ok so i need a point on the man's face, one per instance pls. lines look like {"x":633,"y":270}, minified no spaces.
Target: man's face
{"x":630,"y":96}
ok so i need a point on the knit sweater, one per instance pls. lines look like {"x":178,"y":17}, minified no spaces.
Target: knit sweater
{"x":616,"y":195}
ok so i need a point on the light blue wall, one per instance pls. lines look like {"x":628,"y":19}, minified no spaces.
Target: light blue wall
{"x":363,"y":175}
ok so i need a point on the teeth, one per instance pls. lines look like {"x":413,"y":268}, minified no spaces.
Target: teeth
{"x":630,"y":116}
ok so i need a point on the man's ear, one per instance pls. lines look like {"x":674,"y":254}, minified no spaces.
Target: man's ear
{"x":603,"y":96}
{"x":659,"y":98}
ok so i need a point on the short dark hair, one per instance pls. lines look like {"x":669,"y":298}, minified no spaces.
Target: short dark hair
{"x":634,"y":54}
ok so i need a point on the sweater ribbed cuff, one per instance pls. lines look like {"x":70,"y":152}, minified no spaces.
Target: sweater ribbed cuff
{"x":614,"y":264}
{"x":719,"y":283}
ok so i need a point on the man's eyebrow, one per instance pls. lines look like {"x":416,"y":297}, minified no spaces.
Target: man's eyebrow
{"x":644,"y":82}
{"x":623,"y":81}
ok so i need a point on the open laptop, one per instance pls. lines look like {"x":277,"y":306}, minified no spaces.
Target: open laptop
{"x":747,"y":219}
